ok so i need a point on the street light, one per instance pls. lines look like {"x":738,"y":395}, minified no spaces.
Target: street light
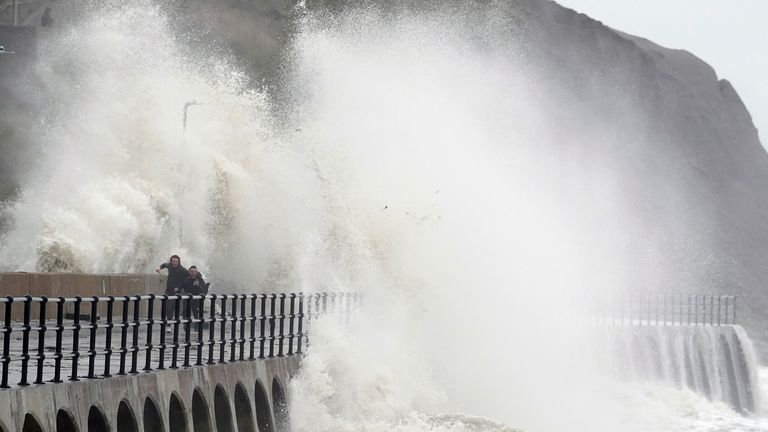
{"x":186,"y":108}
{"x":188,"y":104}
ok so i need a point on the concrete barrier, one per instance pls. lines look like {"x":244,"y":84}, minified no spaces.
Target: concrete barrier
{"x":74,"y":284}
{"x":245,"y":397}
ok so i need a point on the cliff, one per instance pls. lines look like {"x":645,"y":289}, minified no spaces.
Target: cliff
{"x":676,"y":139}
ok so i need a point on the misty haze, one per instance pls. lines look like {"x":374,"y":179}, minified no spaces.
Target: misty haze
{"x":381,"y":215}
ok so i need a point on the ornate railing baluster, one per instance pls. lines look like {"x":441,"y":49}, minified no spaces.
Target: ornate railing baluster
{"x":41,"y":340}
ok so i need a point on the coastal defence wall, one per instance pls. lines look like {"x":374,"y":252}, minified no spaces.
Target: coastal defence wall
{"x":244,"y":397}
{"x":83,"y":285}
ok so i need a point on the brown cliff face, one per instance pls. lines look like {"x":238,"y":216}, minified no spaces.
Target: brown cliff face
{"x":694,"y":166}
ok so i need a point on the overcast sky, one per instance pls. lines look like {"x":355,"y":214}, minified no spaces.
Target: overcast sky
{"x":730,"y":35}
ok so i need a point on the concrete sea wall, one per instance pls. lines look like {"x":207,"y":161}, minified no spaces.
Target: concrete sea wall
{"x":244,"y":397}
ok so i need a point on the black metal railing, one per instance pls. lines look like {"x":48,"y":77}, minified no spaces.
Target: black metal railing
{"x":666,"y":309}
{"x":59,"y":339}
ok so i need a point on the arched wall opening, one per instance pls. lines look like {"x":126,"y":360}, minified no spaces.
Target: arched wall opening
{"x":243,"y":410}
{"x":280,"y":406}
{"x":222,"y":410}
{"x":654,"y":351}
{"x":201,"y":420}
{"x":31,"y":424}
{"x":177,"y":415}
{"x":153,"y":420}
{"x":263,"y":413}
{"x":745,"y":380}
{"x":126,"y":419}
{"x":97,"y":421}
{"x":65,"y":422}
{"x":728,"y":376}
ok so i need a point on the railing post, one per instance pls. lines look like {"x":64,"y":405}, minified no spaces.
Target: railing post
{"x":734,"y":309}
{"x":272,"y":301}
{"x":150,"y":326}
{"x":211,"y":330}
{"x":135,"y":329}
{"x":252,"y":355}
{"x":187,"y":328}
{"x":76,"y":340}
{"x":41,"y":341}
{"x":124,"y":335}
{"x":135,"y":324}
{"x":163,"y":329}
{"x":291,"y":318}
{"x":59,"y":355}
{"x":7,"y":329}
{"x":223,"y":329}
{"x":200,"y":327}
{"x":719,"y":310}
{"x":108,"y":343}
{"x":262,"y":324}
{"x":325,"y":304}
{"x":175,"y":340}
{"x":299,"y":347}
{"x":281,"y":326}
{"x":25,"y":329}
{"x":233,"y":331}
{"x":93,"y":327}
{"x":711,"y":310}
{"x":241,"y":340}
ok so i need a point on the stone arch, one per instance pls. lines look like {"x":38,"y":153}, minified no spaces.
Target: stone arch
{"x":126,"y":419}
{"x":243,"y":409}
{"x":201,"y":419}
{"x":263,"y":412}
{"x":97,"y":421}
{"x":31,"y":424}
{"x":65,"y":422}
{"x":280,"y":407}
{"x":222,"y":410}
{"x":177,"y":415}
{"x":152,"y":419}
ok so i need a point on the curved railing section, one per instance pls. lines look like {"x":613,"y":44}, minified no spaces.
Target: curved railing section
{"x":665,"y":309}
{"x":61,"y":339}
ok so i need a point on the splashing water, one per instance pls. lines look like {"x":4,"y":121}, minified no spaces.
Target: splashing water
{"x":407,"y":155}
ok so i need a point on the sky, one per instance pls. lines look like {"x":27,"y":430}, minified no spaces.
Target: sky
{"x":730,"y":35}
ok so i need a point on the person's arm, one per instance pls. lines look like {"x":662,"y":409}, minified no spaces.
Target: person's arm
{"x":162,"y":266}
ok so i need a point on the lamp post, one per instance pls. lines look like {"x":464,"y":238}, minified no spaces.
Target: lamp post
{"x":188,"y":104}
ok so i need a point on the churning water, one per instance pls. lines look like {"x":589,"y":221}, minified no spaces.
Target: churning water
{"x":418,"y":165}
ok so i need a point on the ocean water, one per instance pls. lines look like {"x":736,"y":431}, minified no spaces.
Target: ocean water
{"x":412,"y":156}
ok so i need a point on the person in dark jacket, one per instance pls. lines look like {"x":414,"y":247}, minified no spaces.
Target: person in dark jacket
{"x":195,"y":285}
{"x":176,"y":276}
{"x":47,"y":19}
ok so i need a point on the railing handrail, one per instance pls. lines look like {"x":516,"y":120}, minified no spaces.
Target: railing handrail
{"x":647,"y":308}
{"x":179,"y":321}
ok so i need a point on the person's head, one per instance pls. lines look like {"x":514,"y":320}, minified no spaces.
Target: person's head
{"x":175,"y":261}
{"x":193,"y":272}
